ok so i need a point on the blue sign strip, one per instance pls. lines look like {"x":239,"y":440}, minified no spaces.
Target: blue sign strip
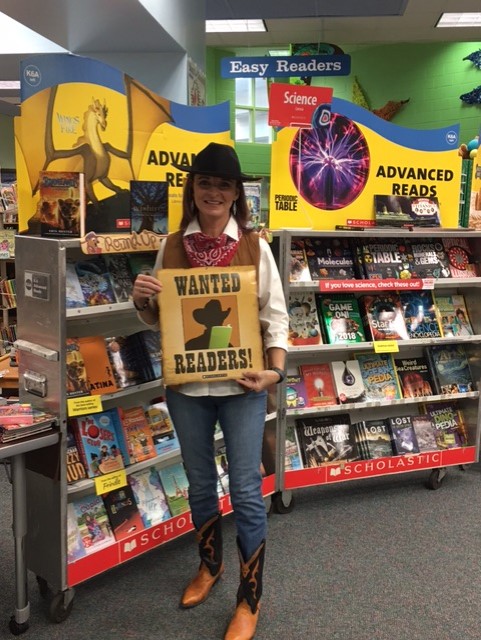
{"x":286,"y":66}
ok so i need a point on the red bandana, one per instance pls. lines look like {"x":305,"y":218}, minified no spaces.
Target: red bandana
{"x":205,"y":251}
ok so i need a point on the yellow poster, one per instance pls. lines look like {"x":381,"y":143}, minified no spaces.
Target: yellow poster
{"x":209,"y":324}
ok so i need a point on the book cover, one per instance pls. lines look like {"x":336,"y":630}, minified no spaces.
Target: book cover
{"x":389,"y":258}
{"x":329,"y":258}
{"x":125,"y":359}
{"x":110,"y":215}
{"x":429,"y":259}
{"x":124,"y":516}
{"x":141,"y":262}
{"x":319,"y":384}
{"x":16,"y":413}
{"x":450,"y":367}
{"x":379,"y":376}
{"x":404,"y":438}
{"x":423,"y":428}
{"x":324,"y":439}
{"x":462,"y":262}
{"x":100,"y":375}
{"x":420,"y":314}
{"x":415,"y":377}
{"x":62,"y":203}
{"x":121,"y":277}
{"x":348,"y":381}
{"x":75,"y":468}
{"x":162,"y":428}
{"x":304,"y":326}
{"x":253,"y":191}
{"x":342,"y":319}
{"x":136,"y":437}
{"x":293,"y":459}
{"x":149,"y":204}
{"x":448,"y":424}
{"x":453,"y":316}
{"x":298,"y":268}
{"x":383,"y":317}
{"x":406,"y":211}
{"x":95,"y":281}
{"x":176,"y":487}
{"x":76,"y":373}
{"x":149,"y":341}
{"x":7,"y":243}
{"x":376,"y":438}
{"x":75,"y":546}
{"x":73,"y":290}
{"x":93,"y":523}
{"x":97,"y":441}
{"x":222,"y":466}
{"x":149,"y":496}
{"x":296,"y":395}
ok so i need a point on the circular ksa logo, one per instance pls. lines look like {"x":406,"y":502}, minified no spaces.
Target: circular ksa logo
{"x":32,"y":75}
{"x":451,"y":137}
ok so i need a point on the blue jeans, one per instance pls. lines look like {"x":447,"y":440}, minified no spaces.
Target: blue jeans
{"x":242,"y":419}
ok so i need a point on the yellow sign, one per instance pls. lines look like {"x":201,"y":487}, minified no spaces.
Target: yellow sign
{"x":209,"y":324}
{"x":83,"y":405}
{"x":386,"y":346}
{"x":110,"y":481}
{"x":120,"y":242}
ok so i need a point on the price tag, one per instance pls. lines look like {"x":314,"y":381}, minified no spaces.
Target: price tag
{"x":110,"y":481}
{"x":386,"y":346}
{"x":84,"y":404}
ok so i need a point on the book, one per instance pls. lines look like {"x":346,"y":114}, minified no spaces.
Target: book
{"x":98,"y":442}
{"x":162,"y":428}
{"x":319,"y":384}
{"x":75,"y":546}
{"x":136,"y":440}
{"x":341,"y":318}
{"x":253,"y":191}
{"x":419,"y":314}
{"x":76,"y":373}
{"x":62,"y":203}
{"x":123,"y":513}
{"x":150,"y":354}
{"x":100,"y":375}
{"x":406,"y":211}
{"x":429,"y":259}
{"x":120,"y":274}
{"x":149,"y":496}
{"x":222,"y":466}
{"x":383,"y":317}
{"x":414,"y":377}
{"x":376,"y":438}
{"x":296,"y":395}
{"x":16,"y":413}
{"x":293,"y":459}
{"x":108,"y":215}
{"x":453,"y":316}
{"x":176,"y":487}
{"x":304,"y":326}
{"x":423,"y":428}
{"x":386,"y":258}
{"x":149,"y":204}
{"x":75,"y":468}
{"x":95,"y":281}
{"x":448,"y":424}
{"x":7,"y":243}
{"x":450,"y":367}
{"x":462,"y":262}
{"x":329,"y":258}
{"x":404,"y":438}
{"x":298,"y":268}
{"x":348,"y":381}
{"x":324,"y":439}
{"x":93,"y":523}
{"x":73,"y":291}
{"x":379,"y":376}
{"x":125,"y":359}
{"x":141,"y":262}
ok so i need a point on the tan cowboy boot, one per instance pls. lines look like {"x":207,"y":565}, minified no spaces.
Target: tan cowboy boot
{"x":244,"y":622}
{"x":209,"y":538}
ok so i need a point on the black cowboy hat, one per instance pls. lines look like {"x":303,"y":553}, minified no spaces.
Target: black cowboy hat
{"x":217,"y":160}
{"x":211,"y":315}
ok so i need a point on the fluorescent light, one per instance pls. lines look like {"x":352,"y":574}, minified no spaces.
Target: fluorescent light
{"x":234,"y":26}
{"x":459,"y":20}
{"x":5,"y":85}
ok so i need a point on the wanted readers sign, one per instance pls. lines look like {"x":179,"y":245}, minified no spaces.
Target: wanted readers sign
{"x":209,"y":322}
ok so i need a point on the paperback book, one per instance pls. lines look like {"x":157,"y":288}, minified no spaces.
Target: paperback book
{"x":319,"y":384}
{"x":348,"y":381}
{"x":406,"y":211}
{"x":149,"y":496}
{"x":136,"y":437}
{"x":423,"y":428}
{"x":324,"y":439}
{"x":222,"y":466}
{"x":124,"y":516}
{"x":448,"y":424}
{"x":93,"y":523}
{"x":404,"y":440}
{"x":383,"y":317}
{"x":453,"y":316}
{"x":329,"y":258}
{"x":76,"y":373}
{"x":304,"y":327}
{"x":379,"y":376}
{"x":415,"y":377}
{"x":293,"y":460}
{"x":420,"y":314}
{"x":95,"y":281}
{"x":298,"y":268}
{"x":141,"y":262}
{"x":125,"y":360}
{"x":342,"y":319}
{"x":100,"y":375}
{"x":450,"y":367}
{"x":75,"y":468}
{"x":429,"y":259}
{"x":390,"y":258}
{"x":162,"y":428}
{"x":149,"y":204}
{"x":296,"y":395}
{"x":462,"y":262}
{"x":62,"y":203}
{"x":176,"y":487}
{"x":75,"y":546}
{"x":73,"y":291}
{"x":375,"y":439}
{"x":121,"y":278}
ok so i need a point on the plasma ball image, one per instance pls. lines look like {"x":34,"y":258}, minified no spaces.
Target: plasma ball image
{"x":330,"y":164}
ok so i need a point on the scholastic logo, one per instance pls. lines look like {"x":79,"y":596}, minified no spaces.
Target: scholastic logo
{"x":32,"y":75}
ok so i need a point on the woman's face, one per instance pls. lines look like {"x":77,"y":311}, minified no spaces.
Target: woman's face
{"x":213,"y":197}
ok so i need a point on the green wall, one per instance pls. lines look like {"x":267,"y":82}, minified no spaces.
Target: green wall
{"x":432,"y":76}
{"x":7,"y":147}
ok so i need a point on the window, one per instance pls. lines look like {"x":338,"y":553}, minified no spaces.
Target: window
{"x":251,"y":111}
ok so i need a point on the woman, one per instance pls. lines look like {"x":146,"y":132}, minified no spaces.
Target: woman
{"x":214,"y":232}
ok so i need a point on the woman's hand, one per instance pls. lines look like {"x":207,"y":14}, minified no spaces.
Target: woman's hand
{"x":145,"y":287}
{"x":258,"y":380}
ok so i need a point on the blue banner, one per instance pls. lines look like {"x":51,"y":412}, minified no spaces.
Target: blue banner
{"x":286,"y":66}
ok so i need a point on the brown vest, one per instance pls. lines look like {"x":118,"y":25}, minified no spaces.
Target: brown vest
{"x":248,"y":252}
